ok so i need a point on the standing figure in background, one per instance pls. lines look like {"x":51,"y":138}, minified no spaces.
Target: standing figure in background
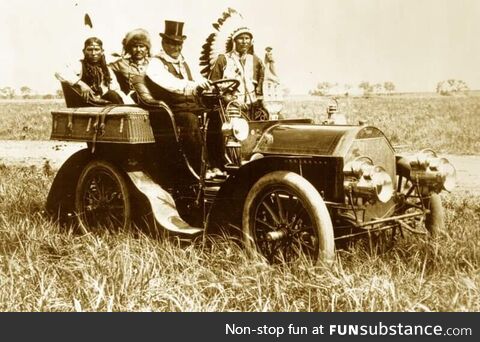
{"x":91,"y":76}
{"x":243,"y":65}
{"x":270,"y":70}
{"x":272,"y":91}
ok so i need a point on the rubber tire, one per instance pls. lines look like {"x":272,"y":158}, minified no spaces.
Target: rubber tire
{"x":314,"y":205}
{"x":435,"y":220}
{"x":118,"y":176}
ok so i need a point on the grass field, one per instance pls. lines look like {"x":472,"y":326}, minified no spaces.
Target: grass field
{"x":447,"y":124}
{"x":45,"y":268}
{"x":27,"y":120}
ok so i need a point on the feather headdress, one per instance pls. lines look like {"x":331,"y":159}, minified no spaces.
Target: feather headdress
{"x":87,"y":20}
{"x":229,"y":25}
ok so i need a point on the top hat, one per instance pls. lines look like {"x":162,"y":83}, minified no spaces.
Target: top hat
{"x":174,"y":31}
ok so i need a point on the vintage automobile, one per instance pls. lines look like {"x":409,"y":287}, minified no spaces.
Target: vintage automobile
{"x":288,"y":189}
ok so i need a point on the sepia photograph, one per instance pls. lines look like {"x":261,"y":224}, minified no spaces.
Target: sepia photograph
{"x":240,"y":156}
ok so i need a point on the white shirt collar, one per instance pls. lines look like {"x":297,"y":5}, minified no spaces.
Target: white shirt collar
{"x":170,"y":59}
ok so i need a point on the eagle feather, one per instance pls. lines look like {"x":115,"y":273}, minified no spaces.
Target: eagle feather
{"x":220,"y":41}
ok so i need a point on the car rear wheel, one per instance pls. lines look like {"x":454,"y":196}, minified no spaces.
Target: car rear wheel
{"x":102,"y":198}
{"x":286,"y":220}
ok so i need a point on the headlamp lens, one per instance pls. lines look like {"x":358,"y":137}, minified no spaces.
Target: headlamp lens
{"x":240,"y":128}
{"x":383,"y":183}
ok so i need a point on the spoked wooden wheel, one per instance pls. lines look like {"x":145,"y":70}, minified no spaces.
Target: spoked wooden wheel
{"x":415,"y":200}
{"x":102,"y":199}
{"x":286,"y":220}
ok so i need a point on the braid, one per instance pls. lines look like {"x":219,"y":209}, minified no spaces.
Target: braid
{"x":92,"y":75}
{"x":96,"y":74}
{"x":106,"y":73}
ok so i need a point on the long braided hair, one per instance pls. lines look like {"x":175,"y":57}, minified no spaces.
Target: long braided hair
{"x":94,"y":74}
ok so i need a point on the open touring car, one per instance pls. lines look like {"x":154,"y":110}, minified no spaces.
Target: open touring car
{"x":288,"y":188}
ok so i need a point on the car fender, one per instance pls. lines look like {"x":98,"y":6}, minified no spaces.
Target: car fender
{"x":61,"y":197}
{"x":228,"y":204}
{"x":162,"y":204}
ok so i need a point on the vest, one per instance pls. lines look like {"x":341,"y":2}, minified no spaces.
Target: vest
{"x":243,"y":73}
{"x":162,"y":94}
{"x":124,"y":73}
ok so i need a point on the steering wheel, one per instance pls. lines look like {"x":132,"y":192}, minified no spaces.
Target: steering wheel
{"x":226,"y":85}
{"x":221,"y":88}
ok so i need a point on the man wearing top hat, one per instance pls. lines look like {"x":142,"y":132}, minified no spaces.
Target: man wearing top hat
{"x":170,"y":79}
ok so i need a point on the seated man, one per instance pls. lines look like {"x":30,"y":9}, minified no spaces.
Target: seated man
{"x":130,"y":69}
{"x":169,"y":79}
{"x":91,"y":75}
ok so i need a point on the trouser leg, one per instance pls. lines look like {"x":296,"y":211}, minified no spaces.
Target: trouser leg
{"x":190,"y":137}
{"x":215,"y":143}
{"x":112,"y":97}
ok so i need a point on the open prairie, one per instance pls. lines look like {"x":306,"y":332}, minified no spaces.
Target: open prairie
{"x":47,"y":268}
{"x":448,"y":124}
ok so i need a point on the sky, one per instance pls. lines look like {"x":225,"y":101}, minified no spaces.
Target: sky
{"x":412,"y":43}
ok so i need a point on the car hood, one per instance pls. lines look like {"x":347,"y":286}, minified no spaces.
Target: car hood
{"x":313,"y":140}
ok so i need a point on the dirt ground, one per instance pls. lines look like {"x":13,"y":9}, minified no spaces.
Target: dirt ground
{"x":14,"y":152}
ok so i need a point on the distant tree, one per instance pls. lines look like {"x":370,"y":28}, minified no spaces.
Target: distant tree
{"x":377,"y":88}
{"x":322,"y":89}
{"x":366,"y":87}
{"x":26,"y":91}
{"x":389,"y":87}
{"x":48,"y":97}
{"x":7,"y":93}
{"x":59,"y":94}
{"x":451,"y":87}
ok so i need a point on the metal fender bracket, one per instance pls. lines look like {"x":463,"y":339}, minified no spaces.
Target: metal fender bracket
{"x":162,"y":203}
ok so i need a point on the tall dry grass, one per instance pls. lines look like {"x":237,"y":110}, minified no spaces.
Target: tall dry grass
{"x":46,"y":268}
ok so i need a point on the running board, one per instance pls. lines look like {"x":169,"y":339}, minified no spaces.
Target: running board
{"x":162,"y":203}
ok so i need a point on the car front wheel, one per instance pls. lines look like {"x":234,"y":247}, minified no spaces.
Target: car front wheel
{"x":285,"y":220}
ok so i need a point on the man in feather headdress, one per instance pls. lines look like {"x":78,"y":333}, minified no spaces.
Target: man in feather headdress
{"x":242,"y":64}
{"x":91,"y":76}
